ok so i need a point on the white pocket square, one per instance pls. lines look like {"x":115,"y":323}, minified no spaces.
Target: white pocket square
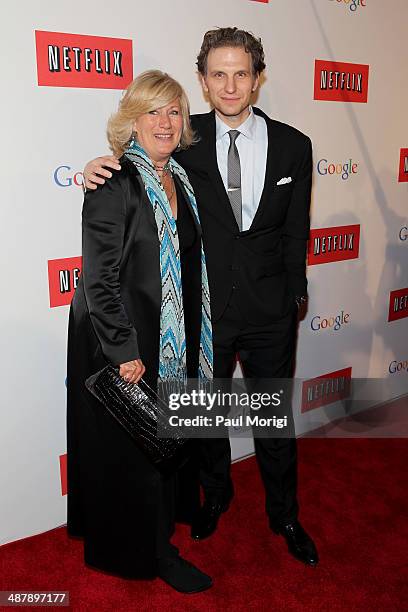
{"x":285,"y":180}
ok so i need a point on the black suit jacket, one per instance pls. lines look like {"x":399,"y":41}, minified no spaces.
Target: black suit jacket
{"x":266,"y":264}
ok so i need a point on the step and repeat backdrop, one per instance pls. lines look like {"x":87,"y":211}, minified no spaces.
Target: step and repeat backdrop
{"x":335,"y":70}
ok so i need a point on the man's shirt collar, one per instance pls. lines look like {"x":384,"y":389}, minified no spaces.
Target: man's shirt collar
{"x":247,"y":128}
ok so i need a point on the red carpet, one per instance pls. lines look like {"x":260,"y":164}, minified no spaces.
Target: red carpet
{"x":353,"y":495}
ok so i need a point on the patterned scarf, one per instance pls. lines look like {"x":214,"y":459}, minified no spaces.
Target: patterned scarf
{"x":172,"y":360}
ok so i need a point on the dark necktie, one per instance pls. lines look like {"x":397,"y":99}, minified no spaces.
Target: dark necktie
{"x":234,"y":178}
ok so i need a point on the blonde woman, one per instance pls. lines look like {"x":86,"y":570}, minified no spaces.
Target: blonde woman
{"x":142,"y":305}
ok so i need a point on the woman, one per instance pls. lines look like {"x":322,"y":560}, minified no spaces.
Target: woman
{"x":141,"y":304}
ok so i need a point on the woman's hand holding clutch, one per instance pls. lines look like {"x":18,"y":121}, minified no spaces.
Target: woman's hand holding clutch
{"x":132,"y":371}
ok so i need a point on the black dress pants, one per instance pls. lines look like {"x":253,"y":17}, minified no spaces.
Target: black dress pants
{"x":265,"y":352}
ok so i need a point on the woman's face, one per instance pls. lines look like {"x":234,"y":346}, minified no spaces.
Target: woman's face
{"x":159,"y":131}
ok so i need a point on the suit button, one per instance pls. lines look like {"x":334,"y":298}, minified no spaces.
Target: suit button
{"x":237,"y":237}
{"x":234,"y":268}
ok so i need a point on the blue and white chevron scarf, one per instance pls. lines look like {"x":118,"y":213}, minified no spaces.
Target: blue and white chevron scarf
{"x":172,"y":361}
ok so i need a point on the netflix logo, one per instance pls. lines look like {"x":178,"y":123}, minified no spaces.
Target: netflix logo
{"x":76,"y":60}
{"x":398,"y":307}
{"x":340,"y":81}
{"x":326,"y":389}
{"x":63,"y":277}
{"x":403,"y":166}
{"x":63,"y":474}
{"x":330,"y":244}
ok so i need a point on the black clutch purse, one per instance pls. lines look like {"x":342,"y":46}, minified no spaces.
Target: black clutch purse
{"x":142,"y":413}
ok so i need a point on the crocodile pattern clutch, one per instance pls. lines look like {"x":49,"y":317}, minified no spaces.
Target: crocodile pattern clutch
{"x":141,"y":412}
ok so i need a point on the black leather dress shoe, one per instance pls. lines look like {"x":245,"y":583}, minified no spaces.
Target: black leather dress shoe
{"x":206,"y":521}
{"x":182,"y":575}
{"x":300,"y":544}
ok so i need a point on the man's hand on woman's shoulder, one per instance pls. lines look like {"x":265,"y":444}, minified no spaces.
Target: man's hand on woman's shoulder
{"x":96,"y":170}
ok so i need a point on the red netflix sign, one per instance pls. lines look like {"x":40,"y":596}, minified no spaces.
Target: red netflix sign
{"x":76,"y":60}
{"x":340,"y":81}
{"x":329,"y":244}
{"x":403,"y":166}
{"x":63,"y":474}
{"x":63,"y":277}
{"x":326,"y":389}
{"x":398,"y":307}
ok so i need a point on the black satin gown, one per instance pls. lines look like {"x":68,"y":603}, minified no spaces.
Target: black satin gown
{"x":121,"y":506}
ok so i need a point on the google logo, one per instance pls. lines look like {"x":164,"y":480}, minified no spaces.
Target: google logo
{"x":345,"y":170}
{"x":354,"y":4}
{"x":403,"y":233}
{"x":397,"y":366}
{"x":64,"y":178}
{"x":335,"y":323}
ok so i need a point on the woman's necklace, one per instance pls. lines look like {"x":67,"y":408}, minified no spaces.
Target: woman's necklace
{"x":164,"y":169}
{"x":162,"y":172}
{"x":173,"y":188}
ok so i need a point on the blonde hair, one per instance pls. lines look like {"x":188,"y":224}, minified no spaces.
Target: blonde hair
{"x":147,"y":92}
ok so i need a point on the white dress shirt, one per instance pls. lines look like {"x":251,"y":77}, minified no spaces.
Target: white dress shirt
{"x":252,"y":145}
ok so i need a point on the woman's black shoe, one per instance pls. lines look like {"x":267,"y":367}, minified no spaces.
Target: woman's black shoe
{"x":183,"y":575}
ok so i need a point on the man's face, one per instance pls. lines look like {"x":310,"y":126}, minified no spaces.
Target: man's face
{"x":229,"y":83}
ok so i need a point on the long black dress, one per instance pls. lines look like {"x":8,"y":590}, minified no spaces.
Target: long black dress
{"x":117,"y":501}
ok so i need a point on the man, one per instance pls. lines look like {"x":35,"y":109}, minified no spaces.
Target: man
{"x":252,"y":179}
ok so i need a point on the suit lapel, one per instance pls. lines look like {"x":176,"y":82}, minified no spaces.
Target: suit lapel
{"x":209,"y":141}
{"x":208,"y":136}
{"x":272,"y":163}
{"x":188,"y":203}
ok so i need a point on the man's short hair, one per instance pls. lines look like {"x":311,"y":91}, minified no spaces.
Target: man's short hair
{"x":231,"y":37}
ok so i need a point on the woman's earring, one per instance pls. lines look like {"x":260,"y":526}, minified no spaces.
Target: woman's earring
{"x":133,"y":139}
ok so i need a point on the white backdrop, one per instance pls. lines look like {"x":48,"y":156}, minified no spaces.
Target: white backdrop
{"x":44,"y":128}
